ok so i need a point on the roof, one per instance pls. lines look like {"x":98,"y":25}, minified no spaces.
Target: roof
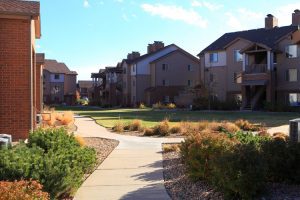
{"x":55,"y":67}
{"x":85,"y":84}
{"x":268,"y":37}
{"x":180,"y":51}
{"x":20,"y":7}
{"x":128,"y":61}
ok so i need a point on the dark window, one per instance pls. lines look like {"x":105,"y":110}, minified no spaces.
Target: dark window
{"x":211,"y":77}
{"x":190,"y":68}
{"x":56,"y":76}
{"x":164,"y":82}
{"x":213,"y":57}
{"x":291,"y":75}
{"x":190,"y":82}
{"x":165,"y":67}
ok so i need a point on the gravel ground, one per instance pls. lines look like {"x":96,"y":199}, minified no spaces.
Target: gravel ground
{"x":179,"y":186}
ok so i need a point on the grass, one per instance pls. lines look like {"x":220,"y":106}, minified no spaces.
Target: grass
{"x":150,"y":118}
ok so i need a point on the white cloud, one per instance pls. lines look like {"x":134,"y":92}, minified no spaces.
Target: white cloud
{"x":212,"y":6}
{"x":176,"y":13}
{"x":233,"y":22}
{"x":284,"y":13}
{"x":86,"y":3}
{"x":245,"y":13}
{"x":196,"y":3}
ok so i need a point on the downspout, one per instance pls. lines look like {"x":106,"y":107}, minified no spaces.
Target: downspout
{"x":31,"y":78}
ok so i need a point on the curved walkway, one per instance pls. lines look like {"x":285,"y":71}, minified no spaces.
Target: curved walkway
{"x":132,"y":171}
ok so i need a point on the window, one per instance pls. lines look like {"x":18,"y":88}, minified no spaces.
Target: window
{"x":294,"y":99}
{"x":237,"y":77}
{"x":292,"y":51}
{"x":165,"y":67}
{"x":190,"y":83}
{"x":133,"y":68}
{"x":165,"y":82}
{"x":237,"y":56}
{"x":190,"y":68}
{"x":124,"y":70}
{"x":211,"y":78}
{"x":291,"y":75}
{"x":213,"y":57}
{"x":56,"y":76}
{"x":167,"y":99}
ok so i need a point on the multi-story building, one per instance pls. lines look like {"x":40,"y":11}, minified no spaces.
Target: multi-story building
{"x":84,"y":88}
{"x":59,"y":83}
{"x":160,"y":75}
{"x":258,"y":65}
{"x":19,"y":70}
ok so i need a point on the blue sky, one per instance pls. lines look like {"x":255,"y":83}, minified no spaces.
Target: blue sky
{"x":90,"y":34}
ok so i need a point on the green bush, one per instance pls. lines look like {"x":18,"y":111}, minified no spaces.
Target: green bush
{"x":240,"y":173}
{"x":52,"y":157}
{"x":200,"y":150}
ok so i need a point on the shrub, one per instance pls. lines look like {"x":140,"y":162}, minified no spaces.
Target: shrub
{"x":52,"y":157}
{"x":25,"y":190}
{"x":59,"y":116}
{"x":175,"y":129}
{"x":142,"y":106}
{"x":246,"y":125}
{"x":135,"y":125}
{"x":80,"y":140}
{"x":171,"y":106}
{"x":149,"y":132}
{"x":240,"y":173}
{"x":187,"y":128}
{"x":203,"y":125}
{"x":119,"y":127}
{"x":280,"y":136}
{"x":230,"y":127}
{"x":199,"y":151}
{"x":68,"y":118}
{"x":158,"y":105}
{"x":162,"y":128}
{"x":171,"y":148}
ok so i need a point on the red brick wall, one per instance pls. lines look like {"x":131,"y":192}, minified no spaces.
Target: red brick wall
{"x":38,"y":86}
{"x":15,"y":58}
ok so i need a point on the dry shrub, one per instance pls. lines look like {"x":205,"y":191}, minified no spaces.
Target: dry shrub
{"x":149,"y":132}
{"x":171,"y":148}
{"x":280,"y":136}
{"x":80,"y":140}
{"x":162,"y":128}
{"x":24,"y":190}
{"x":68,"y":118}
{"x":203,"y":125}
{"x":176,"y":129}
{"x":119,"y":127}
{"x":214,"y":126}
{"x":264,"y":133}
{"x":171,"y":106}
{"x":230,"y":127}
{"x":135,"y":125}
{"x":188,"y":128}
{"x":59,"y":116}
{"x":52,"y":120}
{"x":158,"y":105}
{"x":246,"y":125}
{"x":142,"y":106}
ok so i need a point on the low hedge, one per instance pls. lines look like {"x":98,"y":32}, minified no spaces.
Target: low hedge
{"x":240,"y":164}
{"x":52,"y":157}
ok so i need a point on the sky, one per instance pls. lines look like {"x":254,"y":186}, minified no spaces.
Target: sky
{"x":91,"y":34}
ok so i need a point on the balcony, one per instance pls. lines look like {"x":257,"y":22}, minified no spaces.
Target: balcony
{"x":256,"y":69}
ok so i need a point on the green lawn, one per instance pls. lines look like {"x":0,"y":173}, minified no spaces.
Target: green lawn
{"x":108,"y":118}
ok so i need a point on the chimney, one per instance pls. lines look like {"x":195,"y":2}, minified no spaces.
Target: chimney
{"x":155,"y":46}
{"x":133,"y":55}
{"x":271,"y":22}
{"x":296,"y":18}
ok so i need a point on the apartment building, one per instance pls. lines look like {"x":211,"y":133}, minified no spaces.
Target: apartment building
{"x":84,"y":88}
{"x":20,"y":26}
{"x":108,"y":86}
{"x":59,"y":83}
{"x":257,"y":66}
{"x":159,"y":75}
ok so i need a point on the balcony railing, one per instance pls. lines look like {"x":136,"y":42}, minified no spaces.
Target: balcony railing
{"x":256,"y":68}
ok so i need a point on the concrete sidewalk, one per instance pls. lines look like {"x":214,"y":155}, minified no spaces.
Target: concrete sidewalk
{"x":132,"y":171}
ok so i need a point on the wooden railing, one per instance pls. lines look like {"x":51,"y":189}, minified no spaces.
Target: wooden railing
{"x":256,"y":68}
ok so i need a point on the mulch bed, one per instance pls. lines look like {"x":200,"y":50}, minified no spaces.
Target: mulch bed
{"x":103,"y":148}
{"x":179,"y":186}
{"x":141,"y":134}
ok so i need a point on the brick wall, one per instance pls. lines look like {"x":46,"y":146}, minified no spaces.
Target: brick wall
{"x":15,"y":58}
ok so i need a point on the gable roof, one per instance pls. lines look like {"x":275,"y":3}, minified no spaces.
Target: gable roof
{"x":85,"y":84}
{"x":128,"y":61}
{"x":178,"y":50}
{"x":267,"y":37}
{"x":19,"y":7}
{"x":59,"y":68}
